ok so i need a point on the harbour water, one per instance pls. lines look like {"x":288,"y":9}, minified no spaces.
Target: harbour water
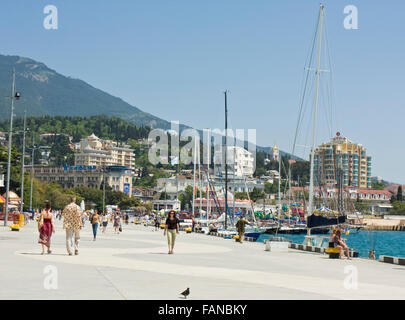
{"x":388,"y":243}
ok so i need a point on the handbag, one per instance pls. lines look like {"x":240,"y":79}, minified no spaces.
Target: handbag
{"x":120,"y":228}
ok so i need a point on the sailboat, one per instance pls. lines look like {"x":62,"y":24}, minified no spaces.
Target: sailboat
{"x":229,"y":229}
{"x":314,"y":219}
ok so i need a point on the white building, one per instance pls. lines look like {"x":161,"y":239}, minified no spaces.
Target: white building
{"x":171,"y":185}
{"x":93,"y":151}
{"x":241,"y":162}
{"x":274,"y":154}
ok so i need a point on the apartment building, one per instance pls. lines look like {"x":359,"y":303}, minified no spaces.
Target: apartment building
{"x":118,"y":178}
{"x":356,"y":164}
{"x":241,"y":162}
{"x":93,"y":151}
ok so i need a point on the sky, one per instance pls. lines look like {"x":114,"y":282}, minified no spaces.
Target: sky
{"x":174,"y":59}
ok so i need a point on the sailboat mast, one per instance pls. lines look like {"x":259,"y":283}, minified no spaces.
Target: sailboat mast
{"x":317,"y":73}
{"x":226,"y":166}
{"x":199,"y":179}
{"x":279,"y":188}
{"x":195,"y":160}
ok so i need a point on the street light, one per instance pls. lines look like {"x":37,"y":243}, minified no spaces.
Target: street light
{"x":104,"y":170}
{"x":14,"y":96}
{"x":23,"y":164}
{"x":32,"y":170}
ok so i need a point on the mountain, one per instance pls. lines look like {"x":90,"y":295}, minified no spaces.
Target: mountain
{"x":46,"y":92}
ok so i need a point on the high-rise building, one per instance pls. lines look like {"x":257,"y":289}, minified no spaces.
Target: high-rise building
{"x":353,"y":158}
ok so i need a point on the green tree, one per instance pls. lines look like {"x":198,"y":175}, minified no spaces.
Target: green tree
{"x":361,"y":207}
{"x":128,"y":202}
{"x":256,"y":194}
{"x":378,"y":185}
{"x":241,"y":195}
{"x":186,"y":197}
{"x":270,"y":188}
{"x":399,"y":193}
{"x":398,"y":208}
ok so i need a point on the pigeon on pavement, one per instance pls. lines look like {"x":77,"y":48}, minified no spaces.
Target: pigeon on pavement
{"x":185,"y":293}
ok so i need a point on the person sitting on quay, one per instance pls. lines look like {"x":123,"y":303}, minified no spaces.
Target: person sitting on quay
{"x":339,"y":243}
{"x":332,"y":238}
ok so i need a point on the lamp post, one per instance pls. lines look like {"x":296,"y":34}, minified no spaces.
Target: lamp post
{"x":32,"y":170}
{"x":23,"y":165}
{"x":14,"y":96}
{"x":104,"y":190}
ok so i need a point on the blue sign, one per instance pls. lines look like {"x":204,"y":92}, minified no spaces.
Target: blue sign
{"x":126,"y":188}
{"x":79,"y":168}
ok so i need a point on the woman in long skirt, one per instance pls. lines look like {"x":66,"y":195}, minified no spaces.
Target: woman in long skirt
{"x":46,"y":227}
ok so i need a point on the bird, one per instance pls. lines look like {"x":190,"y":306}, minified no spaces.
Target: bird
{"x":185,"y":293}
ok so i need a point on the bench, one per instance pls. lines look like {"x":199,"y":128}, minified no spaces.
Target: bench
{"x":334,"y":253}
{"x":15,"y":227}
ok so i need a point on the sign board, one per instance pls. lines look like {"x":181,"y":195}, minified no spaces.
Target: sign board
{"x":126,"y":188}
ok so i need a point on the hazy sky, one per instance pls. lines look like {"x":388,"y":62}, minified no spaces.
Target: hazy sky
{"x":174,"y":58}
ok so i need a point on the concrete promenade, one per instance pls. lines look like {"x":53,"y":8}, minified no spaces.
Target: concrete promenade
{"x":135,"y":265}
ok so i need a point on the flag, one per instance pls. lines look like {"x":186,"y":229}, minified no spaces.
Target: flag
{"x":174,"y":161}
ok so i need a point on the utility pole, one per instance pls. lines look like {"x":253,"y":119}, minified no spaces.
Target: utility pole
{"x":14,"y":96}
{"x":23,"y":165}
{"x":32,"y":169}
{"x":194,"y":165}
{"x":104,"y":190}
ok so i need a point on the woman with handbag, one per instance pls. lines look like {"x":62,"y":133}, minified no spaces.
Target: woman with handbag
{"x":46,"y":227}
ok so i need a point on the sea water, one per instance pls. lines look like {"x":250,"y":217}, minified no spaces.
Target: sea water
{"x":387,"y":243}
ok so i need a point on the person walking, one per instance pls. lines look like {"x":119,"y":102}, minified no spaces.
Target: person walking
{"x":117,"y":223}
{"x":240,"y":226}
{"x":157,"y":222}
{"x":105,"y":221}
{"x":46,"y":227}
{"x":94,"y":220}
{"x":171,"y":228}
{"x":126,"y":218}
{"x":72,"y":223}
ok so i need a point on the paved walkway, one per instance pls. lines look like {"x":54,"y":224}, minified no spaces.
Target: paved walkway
{"x":135,"y":265}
